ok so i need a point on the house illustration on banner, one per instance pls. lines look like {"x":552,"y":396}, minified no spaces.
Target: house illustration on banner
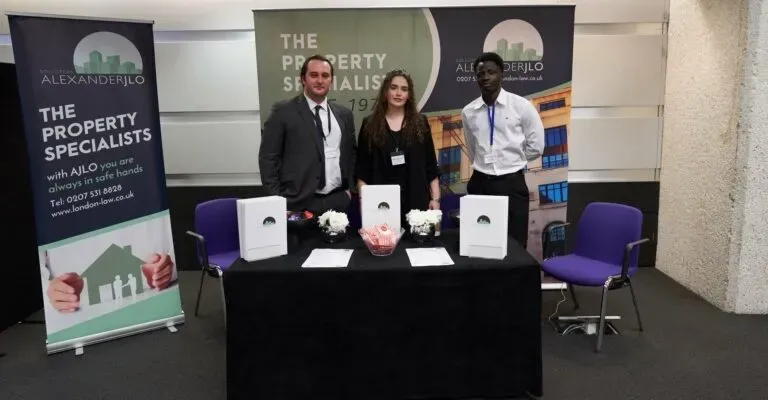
{"x":114,"y":275}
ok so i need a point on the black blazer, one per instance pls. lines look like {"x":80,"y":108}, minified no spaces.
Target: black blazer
{"x":373,"y":166}
{"x":291,"y":155}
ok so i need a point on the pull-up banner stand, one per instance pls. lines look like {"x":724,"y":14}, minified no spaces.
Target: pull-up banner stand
{"x":89,"y":101}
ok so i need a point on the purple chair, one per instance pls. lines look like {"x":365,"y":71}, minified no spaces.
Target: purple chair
{"x":217,"y":240}
{"x":353,"y":212}
{"x":448,"y":203}
{"x":606,"y":255}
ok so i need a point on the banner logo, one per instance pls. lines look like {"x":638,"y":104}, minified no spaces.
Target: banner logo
{"x":520,"y":46}
{"x":515,"y":40}
{"x":107,"y":53}
{"x":101,"y":58}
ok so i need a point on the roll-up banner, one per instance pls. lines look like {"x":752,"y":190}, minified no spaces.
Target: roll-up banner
{"x":89,"y":100}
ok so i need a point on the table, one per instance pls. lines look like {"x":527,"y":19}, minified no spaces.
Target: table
{"x":381,"y":329}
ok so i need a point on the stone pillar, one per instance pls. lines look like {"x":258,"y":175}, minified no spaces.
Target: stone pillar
{"x":713,"y":206}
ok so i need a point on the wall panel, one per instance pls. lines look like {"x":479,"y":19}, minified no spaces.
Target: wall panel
{"x":166,"y":14}
{"x":6,"y":53}
{"x":618,"y":70}
{"x":618,"y":11}
{"x":613,"y":175}
{"x":211,"y":145}
{"x":614,"y":143}
{"x":207,"y":76}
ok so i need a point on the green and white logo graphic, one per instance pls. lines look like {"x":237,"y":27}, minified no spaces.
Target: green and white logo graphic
{"x":515,"y":40}
{"x":363,"y":45}
{"x":106,"y":53}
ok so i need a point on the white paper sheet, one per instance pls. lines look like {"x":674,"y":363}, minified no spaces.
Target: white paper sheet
{"x":424,"y":257}
{"x":328,"y":258}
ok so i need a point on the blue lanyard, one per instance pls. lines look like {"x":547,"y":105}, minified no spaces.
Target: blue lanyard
{"x":491,"y":119}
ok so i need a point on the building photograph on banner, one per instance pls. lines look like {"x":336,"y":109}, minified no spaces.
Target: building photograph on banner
{"x":88,"y":95}
{"x":534,"y":42}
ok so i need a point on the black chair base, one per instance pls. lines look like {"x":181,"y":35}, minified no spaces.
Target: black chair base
{"x":587,"y":325}
{"x":530,"y":396}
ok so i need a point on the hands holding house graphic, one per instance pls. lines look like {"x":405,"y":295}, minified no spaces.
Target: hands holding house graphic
{"x":64,"y":290}
{"x":158,"y":270}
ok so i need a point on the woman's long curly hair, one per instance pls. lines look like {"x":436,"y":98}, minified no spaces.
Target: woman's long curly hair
{"x":413,"y":127}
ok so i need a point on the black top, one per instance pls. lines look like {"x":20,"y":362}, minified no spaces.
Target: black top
{"x":374,"y":166}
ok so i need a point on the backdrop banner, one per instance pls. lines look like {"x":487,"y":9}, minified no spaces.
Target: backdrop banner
{"x":89,"y":101}
{"x":437,"y":47}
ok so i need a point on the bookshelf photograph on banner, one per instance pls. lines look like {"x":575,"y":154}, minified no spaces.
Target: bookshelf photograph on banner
{"x":89,"y":101}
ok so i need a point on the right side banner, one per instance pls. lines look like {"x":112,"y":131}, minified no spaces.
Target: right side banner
{"x":437,"y":46}
{"x":536,"y":44}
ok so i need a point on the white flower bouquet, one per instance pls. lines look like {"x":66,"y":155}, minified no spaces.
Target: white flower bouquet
{"x":333,"y":222}
{"x":422,"y":222}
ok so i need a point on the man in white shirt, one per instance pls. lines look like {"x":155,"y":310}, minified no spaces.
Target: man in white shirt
{"x":503,"y":132}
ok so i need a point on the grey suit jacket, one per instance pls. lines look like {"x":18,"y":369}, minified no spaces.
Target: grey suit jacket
{"x":291,"y":155}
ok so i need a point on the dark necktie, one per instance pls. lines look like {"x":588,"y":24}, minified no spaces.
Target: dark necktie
{"x":319,"y":126}
{"x":319,"y":123}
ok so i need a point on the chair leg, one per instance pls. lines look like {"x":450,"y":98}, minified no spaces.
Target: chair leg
{"x":634,"y":300}
{"x":573,"y":297}
{"x":199,"y":292}
{"x":603,"y":307}
{"x":223,"y":300}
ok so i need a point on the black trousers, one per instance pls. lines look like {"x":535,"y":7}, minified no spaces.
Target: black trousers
{"x":513,"y":186}
{"x":337,"y":200}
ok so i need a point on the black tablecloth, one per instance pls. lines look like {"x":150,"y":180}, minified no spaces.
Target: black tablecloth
{"x":381,"y":329}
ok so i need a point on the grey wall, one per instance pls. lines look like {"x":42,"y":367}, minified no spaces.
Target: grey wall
{"x":713,"y":215}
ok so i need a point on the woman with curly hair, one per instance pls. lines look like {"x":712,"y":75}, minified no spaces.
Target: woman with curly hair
{"x":395,"y":147}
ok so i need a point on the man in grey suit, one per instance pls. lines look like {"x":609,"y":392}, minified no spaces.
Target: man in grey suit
{"x":308,"y":146}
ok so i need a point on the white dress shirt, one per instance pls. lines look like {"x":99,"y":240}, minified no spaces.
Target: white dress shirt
{"x":332,"y":145}
{"x":518,"y":134}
